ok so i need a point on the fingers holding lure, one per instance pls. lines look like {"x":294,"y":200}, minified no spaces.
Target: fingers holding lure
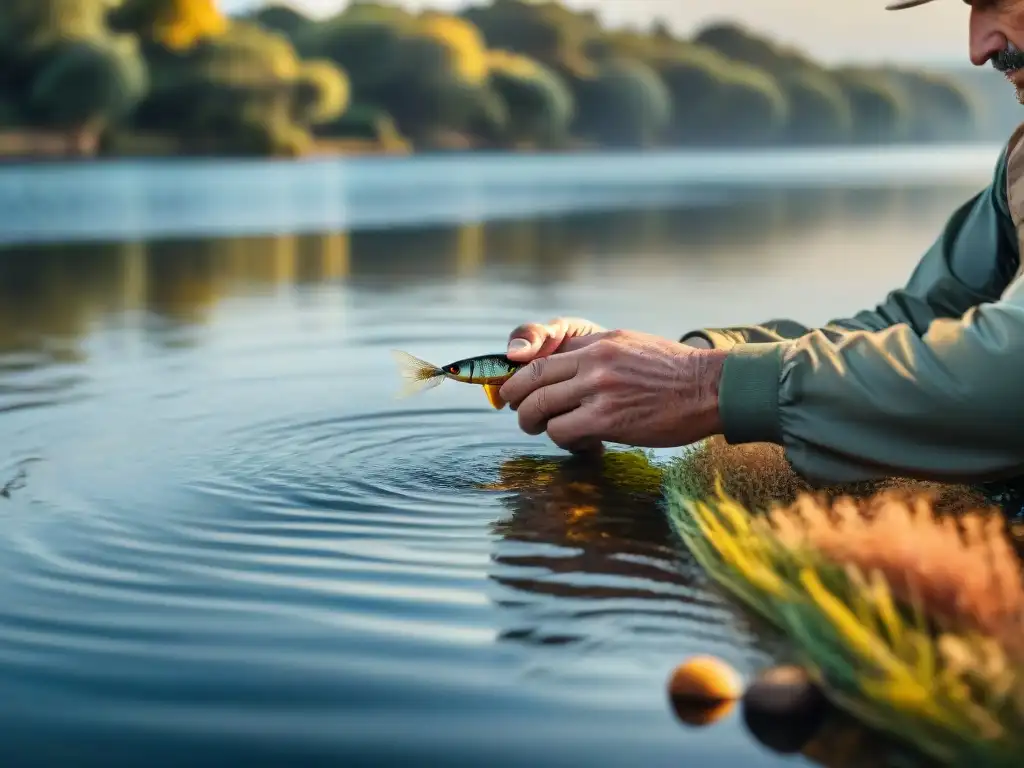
{"x":487,"y":371}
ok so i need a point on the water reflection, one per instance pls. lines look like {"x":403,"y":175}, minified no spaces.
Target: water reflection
{"x":596,"y":517}
{"x":586,"y":556}
{"x":51,"y":293}
{"x":838,"y":741}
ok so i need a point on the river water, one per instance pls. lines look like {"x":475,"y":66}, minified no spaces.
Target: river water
{"x":227,"y":542}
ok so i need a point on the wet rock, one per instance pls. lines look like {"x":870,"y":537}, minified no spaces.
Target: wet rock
{"x":784,"y":708}
{"x":703,"y":690}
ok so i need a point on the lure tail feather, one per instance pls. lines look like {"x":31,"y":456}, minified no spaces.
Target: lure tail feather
{"x":419,"y":375}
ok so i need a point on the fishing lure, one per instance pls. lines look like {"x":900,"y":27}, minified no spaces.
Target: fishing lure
{"x":489,"y":371}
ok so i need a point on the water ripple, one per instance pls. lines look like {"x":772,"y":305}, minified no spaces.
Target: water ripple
{"x":406,"y":529}
{"x":237,"y":548}
{"x":176,"y":566}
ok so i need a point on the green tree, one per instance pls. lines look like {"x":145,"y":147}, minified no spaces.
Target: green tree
{"x":247,"y":68}
{"x":245,"y":53}
{"x":364,"y":11}
{"x":369,"y":51}
{"x":28,"y":26}
{"x":821,"y":107}
{"x":365,"y":123}
{"x":281,"y":18}
{"x":538,"y":106}
{"x":11,"y":115}
{"x":819,"y":110}
{"x":245,"y":91}
{"x":428,"y":73}
{"x":752,"y":107}
{"x":880,"y":108}
{"x":86,"y":86}
{"x":506,"y":73}
{"x":716,"y":101}
{"x":626,"y":105}
{"x":737,"y":43}
{"x":544,"y":31}
{"x":489,"y":123}
{"x":321,"y":93}
{"x":940,"y":109}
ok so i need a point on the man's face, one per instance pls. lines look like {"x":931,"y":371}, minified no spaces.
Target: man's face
{"x":997,"y":36}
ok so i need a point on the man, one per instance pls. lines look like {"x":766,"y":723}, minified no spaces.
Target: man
{"x":930,"y":384}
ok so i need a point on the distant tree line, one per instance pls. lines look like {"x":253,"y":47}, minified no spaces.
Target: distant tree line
{"x":511,"y":74}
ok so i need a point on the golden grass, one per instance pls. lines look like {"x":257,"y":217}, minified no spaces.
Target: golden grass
{"x":963,"y":570}
{"x":758,"y":475}
{"x":906,"y":605}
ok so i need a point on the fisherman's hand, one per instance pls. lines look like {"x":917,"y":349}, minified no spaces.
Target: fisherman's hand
{"x":619,"y":386}
{"x":533,"y":340}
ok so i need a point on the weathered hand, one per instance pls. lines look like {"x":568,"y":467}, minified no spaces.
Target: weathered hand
{"x":619,"y":386}
{"x":533,"y":340}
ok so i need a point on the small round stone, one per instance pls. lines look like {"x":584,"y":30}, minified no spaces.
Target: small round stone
{"x":705,"y":679}
{"x":784,"y":708}
{"x":786,"y":690}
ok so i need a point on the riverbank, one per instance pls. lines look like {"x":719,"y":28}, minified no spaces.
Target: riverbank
{"x":44,"y":146}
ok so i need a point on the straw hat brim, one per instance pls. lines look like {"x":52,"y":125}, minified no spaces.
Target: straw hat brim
{"x":901,"y":4}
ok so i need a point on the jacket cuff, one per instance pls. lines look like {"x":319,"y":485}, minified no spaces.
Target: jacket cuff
{"x":748,"y":394}
{"x":715,"y":338}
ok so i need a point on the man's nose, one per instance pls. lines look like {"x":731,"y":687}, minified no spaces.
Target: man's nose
{"x":986,"y":39}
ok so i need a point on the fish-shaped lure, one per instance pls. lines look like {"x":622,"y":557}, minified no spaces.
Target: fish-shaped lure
{"x":489,"y":371}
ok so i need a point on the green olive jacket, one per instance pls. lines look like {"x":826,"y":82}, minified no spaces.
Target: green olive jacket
{"x":929,"y":384}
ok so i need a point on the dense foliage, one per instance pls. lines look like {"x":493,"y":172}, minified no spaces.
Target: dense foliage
{"x":510,"y":74}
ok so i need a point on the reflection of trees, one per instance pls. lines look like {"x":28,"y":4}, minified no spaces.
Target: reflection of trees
{"x":183,"y":279}
{"x":711,"y":229}
{"x":596,"y":543}
{"x":551,"y":249}
{"x":546,"y":249}
{"x":397,"y":258}
{"x":836,"y":741}
{"x":50,"y":294}
{"x":55,"y":292}
{"x":257,"y":262}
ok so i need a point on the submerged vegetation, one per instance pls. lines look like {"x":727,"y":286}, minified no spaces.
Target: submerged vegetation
{"x":179,"y":75}
{"x":905,"y":601}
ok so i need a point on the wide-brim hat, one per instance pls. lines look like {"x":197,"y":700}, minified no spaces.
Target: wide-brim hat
{"x":901,"y":4}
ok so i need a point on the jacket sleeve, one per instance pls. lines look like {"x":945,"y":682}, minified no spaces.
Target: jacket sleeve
{"x":947,"y":405}
{"x":929,"y":385}
{"x":972,"y":261}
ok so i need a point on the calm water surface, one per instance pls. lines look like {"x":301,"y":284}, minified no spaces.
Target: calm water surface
{"x":226,"y":541}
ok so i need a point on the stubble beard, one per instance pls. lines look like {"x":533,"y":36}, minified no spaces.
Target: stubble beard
{"x":1018,"y":91}
{"x":1010,"y":61}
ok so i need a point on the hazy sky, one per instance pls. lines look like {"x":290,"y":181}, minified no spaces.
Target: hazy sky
{"x":828,"y":29}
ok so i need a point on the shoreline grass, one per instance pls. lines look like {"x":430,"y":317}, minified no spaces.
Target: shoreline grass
{"x":904,"y":600}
